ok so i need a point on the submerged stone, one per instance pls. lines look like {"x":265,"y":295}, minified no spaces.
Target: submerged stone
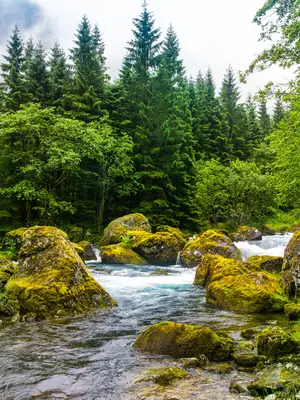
{"x":118,"y":228}
{"x":119,"y":254}
{"x":210,"y":242}
{"x":162,"y":376}
{"x":253,"y":293}
{"x":51,"y":279}
{"x":184,"y":341}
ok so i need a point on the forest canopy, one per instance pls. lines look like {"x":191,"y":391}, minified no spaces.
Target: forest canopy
{"x":77,"y":148}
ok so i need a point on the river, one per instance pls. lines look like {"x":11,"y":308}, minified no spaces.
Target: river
{"x":91,"y":357}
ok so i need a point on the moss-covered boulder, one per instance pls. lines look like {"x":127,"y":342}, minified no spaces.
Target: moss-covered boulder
{"x":76,"y":234}
{"x":267,"y":263}
{"x":292,"y":311}
{"x":170,"y":229}
{"x":291,"y":266}
{"x":135,"y":237}
{"x":51,"y":279}
{"x":283,"y":379}
{"x":7,"y":269}
{"x":160,"y":248}
{"x":119,"y":254}
{"x":162,"y":376}
{"x":254,"y":293}
{"x":88,"y":252}
{"x":210,"y":242}
{"x":275,"y":342}
{"x":246,"y":233}
{"x":12,"y":240}
{"x":184,"y":341}
{"x":248,"y":360}
{"x":213,"y":268}
{"x":118,"y":228}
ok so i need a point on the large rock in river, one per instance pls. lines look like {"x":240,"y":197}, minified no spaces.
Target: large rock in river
{"x":266,"y":263}
{"x":213,"y":268}
{"x":51,"y":279}
{"x":291,"y":266}
{"x":118,"y":228}
{"x":256,"y":292}
{"x":160,"y":248}
{"x":210,"y":242}
{"x":119,"y":254}
{"x":246,"y":233}
{"x":180,"y":341}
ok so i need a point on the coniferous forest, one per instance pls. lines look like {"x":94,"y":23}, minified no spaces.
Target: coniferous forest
{"x":78,"y":148}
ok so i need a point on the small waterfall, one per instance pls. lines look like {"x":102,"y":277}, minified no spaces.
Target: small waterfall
{"x":97,"y":254}
{"x":178,"y":259}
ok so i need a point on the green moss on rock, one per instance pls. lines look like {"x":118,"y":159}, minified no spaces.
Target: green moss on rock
{"x":12,"y":241}
{"x":170,"y":229}
{"x":291,"y":266}
{"x":253,"y":293}
{"x":213,"y":268}
{"x":292,"y":311}
{"x":162,"y":376}
{"x":160,"y":248}
{"x":275,"y":342}
{"x":118,"y":228}
{"x":51,"y":279}
{"x":210,"y":242}
{"x":248,"y":360}
{"x":88,"y":252}
{"x":266,"y":263}
{"x":246,"y":233}
{"x":182,"y":341}
{"x":118,"y":254}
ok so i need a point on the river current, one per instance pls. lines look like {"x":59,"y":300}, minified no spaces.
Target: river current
{"x":91,"y":357}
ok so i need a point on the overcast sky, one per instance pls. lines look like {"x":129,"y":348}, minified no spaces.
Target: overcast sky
{"x":212,"y":33}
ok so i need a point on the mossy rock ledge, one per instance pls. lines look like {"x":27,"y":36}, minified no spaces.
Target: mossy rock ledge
{"x":246,"y":233}
{"x":51,"y":279}
{"x":210,"y":242}
{"x":291,"y":266}
{"x":213,"y":268}
{"x":119,"y":254}
{"x":184,"y":341}
{"x":160,"y":248}
{"x":119,"y":227}
{"x":257,"y":292}
{"x":276,"y":342}
{"x":266,"y":263}
{"x":12,"y":240}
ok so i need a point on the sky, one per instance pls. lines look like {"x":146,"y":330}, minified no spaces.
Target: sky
{"x":212,"y":33}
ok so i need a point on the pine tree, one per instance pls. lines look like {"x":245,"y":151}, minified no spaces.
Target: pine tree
{"x":278,"y":112}
{"x":37,"y":79}
{"x":264,"y":119}
{"x":171,"y":52}
{"x":13,"y":81}
{"x":59,"y":75}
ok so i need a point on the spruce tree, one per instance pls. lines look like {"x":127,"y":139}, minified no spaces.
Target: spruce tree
{"x":13,"y":80}
{"x":264,"y":119}
{"x":254,"y":131}
{"x":59,"y":75}
{"x":278,"y":112}
{"x":37,"y":79}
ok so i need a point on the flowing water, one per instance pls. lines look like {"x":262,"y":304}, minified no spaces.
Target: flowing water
{"x":91,"y":357}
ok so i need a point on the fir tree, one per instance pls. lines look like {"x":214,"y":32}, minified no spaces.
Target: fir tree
{"x":278,"y":112}
{"x":171,"y":51}
{"x":254,"y":131}
{"x":13,"y":80}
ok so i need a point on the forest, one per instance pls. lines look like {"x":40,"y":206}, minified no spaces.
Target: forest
{"x":80,"y":149}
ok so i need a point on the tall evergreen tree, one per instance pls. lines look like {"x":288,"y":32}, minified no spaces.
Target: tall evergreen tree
{"x":13,"y":80}
{"x":254,"y":131}
{"x":229,"y":98}
{"x":264,"y":119}
{"x":59,"y":74}
{"x":37,"y":79}
{"x":278,"y":112}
